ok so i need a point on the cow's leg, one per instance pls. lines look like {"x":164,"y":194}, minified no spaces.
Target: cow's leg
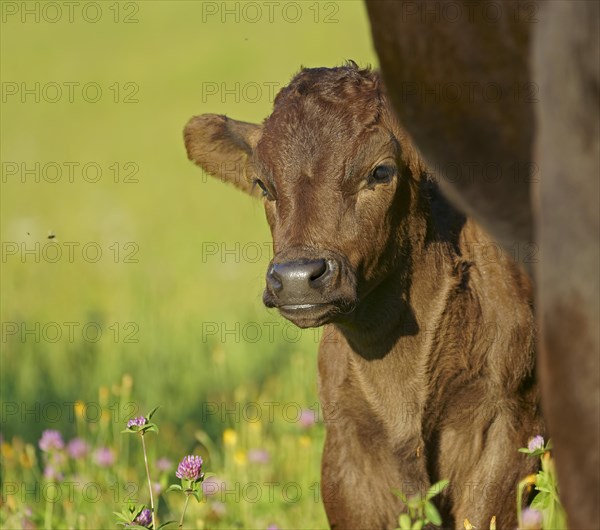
{"x":358,"y":476}
{"x":488,"y":472}
{"x":479,"y":148}
{"x":566,"y":68}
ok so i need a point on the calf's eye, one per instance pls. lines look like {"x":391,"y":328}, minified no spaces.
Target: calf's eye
{"x":261,"y":185}
{"x":382,"y":175}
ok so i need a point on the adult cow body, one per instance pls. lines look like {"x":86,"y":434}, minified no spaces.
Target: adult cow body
{"x":519,"y":149}
{"x":426,"y":367}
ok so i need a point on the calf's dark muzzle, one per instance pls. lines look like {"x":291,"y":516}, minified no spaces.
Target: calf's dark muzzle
{"x":307,"y":289}
{"x":295,"y":281}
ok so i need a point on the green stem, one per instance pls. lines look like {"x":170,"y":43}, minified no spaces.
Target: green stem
{"x":49,"y":512}
{"x":187,"y":499}
{"x":149,"y":483}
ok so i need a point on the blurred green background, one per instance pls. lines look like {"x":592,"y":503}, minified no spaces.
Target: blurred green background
{"x":169,"y":265}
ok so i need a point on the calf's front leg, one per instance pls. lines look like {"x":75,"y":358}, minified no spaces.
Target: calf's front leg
{"x":359,"y":471}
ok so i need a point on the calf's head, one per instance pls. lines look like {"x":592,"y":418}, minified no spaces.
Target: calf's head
{"x":339,"y":182}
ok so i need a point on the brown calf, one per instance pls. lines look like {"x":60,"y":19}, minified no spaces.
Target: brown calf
{"x":523,"y":135}
{"x":427,"y":361}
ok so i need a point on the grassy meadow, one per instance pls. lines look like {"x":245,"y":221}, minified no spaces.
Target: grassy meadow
{"x":130,"y":279}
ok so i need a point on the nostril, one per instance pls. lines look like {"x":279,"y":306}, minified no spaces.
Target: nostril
{"x":319,"y":269}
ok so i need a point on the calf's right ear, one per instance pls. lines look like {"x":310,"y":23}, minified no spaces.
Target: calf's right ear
{"x":223,"y":147}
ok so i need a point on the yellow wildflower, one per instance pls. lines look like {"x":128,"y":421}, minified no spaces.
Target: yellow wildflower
{"x":305,"y":440}
{"x":79,"y":409}
{"x":127,"y":382}
{"x":103,"y":393}
{"x":229,"y":437}
{"x":239,"y":457}
{"x":7,"y":450}
{"x":27,"y":457}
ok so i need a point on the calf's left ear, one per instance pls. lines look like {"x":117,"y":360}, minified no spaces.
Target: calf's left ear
{"x":223,"y":147}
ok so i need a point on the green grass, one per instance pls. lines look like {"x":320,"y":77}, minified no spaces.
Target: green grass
{"x":164,"y":302}
{"x":281,"y":488}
